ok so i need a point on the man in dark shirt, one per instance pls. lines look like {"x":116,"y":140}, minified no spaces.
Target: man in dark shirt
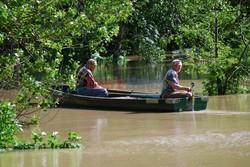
{"x":171,"y":84}
{"x":86,"y":84}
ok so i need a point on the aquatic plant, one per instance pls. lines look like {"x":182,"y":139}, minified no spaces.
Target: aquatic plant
{"x":10,"y":126}
{"x":53,"y":141}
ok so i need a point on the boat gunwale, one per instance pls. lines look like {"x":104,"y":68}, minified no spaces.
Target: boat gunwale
{"x":129,"y":98}
{"x":115,"y":98}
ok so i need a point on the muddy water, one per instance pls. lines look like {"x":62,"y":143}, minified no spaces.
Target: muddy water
{"x":219,"y":136}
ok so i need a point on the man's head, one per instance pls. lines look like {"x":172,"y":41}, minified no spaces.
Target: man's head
{"x":177,"y":65}
{"x":91,"y":64}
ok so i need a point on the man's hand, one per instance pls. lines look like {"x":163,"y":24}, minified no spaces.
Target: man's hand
{"x":179,"y":87}
{"x":188,"y":89}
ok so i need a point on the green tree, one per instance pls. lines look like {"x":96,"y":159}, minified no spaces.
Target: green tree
{"x":146,"y":32}
{"x":218,"y":33}
{"x":44,"y":40}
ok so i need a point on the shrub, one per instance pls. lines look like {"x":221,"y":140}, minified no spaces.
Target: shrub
{"x":9,"y":126}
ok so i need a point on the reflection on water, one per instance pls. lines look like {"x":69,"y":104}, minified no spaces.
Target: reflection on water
{"x":230,"y":103}
{"x":139,"y":71}
{"x":140,"y":77}
{"x":219,"y":136}
{"x":41,"y":158}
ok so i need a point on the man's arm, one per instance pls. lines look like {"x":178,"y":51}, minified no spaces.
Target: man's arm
{"x":179,"y":87}
{"x":91,"y":83}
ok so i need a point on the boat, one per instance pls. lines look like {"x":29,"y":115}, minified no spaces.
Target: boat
{"x":129,"y":100}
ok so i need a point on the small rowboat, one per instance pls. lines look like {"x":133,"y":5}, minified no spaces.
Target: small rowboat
{"x":130,"y":100}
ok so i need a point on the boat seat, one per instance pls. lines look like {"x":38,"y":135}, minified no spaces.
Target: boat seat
{"x":123,"y":97}
{"x":154,"y":96}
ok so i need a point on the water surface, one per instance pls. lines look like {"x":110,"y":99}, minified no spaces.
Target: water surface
{"x":219,"y":136}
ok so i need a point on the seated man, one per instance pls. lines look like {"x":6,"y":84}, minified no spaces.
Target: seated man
{"x":171,"y":82}
{"x":86,"y":84}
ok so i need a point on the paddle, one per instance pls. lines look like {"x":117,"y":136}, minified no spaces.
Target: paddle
{"x":193,"y":98}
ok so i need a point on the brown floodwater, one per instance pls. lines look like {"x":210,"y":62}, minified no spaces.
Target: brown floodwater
{"x":219,"y":136}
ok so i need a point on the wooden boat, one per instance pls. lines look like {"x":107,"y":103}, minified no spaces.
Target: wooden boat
{"x":130,"y":100}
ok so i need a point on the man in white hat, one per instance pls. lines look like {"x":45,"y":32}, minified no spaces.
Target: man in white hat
{"x":171,"y":84}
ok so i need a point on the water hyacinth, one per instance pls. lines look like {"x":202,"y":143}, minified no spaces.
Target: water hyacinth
{"x":54,"y":133}
{"x":53,"y":141}
{"x":43,"y":134}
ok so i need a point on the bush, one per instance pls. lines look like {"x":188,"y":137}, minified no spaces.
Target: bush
{"x":9,"y":126}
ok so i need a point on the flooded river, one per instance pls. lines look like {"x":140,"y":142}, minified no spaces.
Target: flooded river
{"x":219,"y":136}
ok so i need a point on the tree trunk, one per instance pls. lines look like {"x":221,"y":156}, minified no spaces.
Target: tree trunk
{"x":216,"y":37}
{"x":118,"y":43}
{"x":220,"y":87}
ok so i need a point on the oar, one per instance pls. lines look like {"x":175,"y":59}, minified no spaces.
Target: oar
{"x":193,"y":98}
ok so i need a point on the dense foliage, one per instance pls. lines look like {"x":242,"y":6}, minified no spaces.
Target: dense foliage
{"x":44,"y":40}
{"x":219,"y":37}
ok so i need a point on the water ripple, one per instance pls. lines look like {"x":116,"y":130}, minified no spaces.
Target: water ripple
{"x":209,"y":140}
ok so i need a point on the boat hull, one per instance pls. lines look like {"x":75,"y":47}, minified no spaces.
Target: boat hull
{"x":121,"y":100}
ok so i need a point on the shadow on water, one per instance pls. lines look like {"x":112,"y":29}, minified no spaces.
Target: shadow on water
{"x":96,"y":109}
